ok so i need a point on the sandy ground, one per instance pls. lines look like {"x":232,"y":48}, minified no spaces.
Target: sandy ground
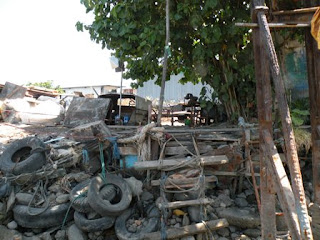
{"x":10,"y":132}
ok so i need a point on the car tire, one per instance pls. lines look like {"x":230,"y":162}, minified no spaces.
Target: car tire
{"x":93,"y":225}
{"x":123,"y":233}
{"x":80,"y":203}
{"x":51,"y":217}
{"x":30,"y":148}
{"x":104,"y":206}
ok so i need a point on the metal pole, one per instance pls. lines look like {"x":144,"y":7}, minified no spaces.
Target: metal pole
{"x":120,"y":103}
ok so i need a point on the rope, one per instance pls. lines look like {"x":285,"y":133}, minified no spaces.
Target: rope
{"x":115,"y":150}
{"x":43,"y":193}
{"x":103,"y":167}
{"x":84,"y":194}
{"x":163,"y":209}
{"x":85,"y":155}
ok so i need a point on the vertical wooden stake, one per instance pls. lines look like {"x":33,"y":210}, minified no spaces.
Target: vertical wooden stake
{"x":264,"y":105}
{"x":165,"y":63}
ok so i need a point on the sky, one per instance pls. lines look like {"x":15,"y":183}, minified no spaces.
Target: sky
{"x":39,"y":42}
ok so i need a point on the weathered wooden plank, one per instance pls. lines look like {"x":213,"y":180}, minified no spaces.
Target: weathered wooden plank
{"x":203,"y":148}
{"x":189,"y":230}
{"x":181,"y":204}
{"x":163,"y":164}
{"x":172,"y":183}
{"x":291,"y":151}
{"x":124,"y":151}
{"x":283,"y":186}
{"x":303,"y":15}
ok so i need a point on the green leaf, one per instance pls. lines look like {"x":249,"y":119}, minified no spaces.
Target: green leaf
{"x":225,"y":97}
{"x":296,"y":121}
{"x":79,"y":26}
{"x":177,"y":16}
{"x":211,"y":4}
{"x":216,"y":34}
{"x":301,"y":112}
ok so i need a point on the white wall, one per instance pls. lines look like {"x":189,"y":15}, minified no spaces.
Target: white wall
{"x":88,"y":90}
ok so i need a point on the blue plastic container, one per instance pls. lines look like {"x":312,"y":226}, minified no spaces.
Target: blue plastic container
{"x":128,"y":161}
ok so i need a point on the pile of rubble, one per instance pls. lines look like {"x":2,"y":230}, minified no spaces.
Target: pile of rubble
{"x":99,"y":182}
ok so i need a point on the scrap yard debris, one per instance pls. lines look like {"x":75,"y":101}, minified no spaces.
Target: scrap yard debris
{"x":95,"y":181}
{"x":78,"y":178}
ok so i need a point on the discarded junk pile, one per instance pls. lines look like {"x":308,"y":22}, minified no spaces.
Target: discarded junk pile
{"x":51,"y":185}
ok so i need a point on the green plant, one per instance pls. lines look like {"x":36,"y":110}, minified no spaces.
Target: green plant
{"x":299,"y":117}
{"x":47,"y":84}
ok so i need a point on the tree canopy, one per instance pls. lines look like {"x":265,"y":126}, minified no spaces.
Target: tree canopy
{"x":205,"y":44}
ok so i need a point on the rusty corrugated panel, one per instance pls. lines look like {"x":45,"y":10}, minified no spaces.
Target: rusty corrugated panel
{"x":86,"y":110}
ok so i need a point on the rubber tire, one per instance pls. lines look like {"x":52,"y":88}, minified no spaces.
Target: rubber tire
{"x":52,"y":217}
{"x":93,"y":225}
{"x":104,"y":207}
{"x":81,"y":204}
{"x":152,"y":226}
{"x":34,"y":162}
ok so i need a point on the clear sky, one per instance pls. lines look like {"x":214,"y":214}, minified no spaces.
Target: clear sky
{"x":39,"y":42}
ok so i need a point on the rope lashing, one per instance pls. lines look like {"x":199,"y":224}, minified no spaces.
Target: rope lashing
{"x":85,"y":155}
{"x":103,"y":167}
{"x":84,"y":194}
{"x":115,"y":149}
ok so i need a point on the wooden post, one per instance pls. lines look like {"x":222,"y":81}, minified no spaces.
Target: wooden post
{"x":167,"y":164}
{"x":291,"y":151}
{"x":313,"y":65}
{"x":313,"y":61}
{"x":264,"y":105}
{"x":176,"y":233}
{"x":282,"y":184}
{"x":165,"y":64}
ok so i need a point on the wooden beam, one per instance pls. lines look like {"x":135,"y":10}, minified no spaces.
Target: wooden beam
{"x":172,"y":183}
{"x":313,"y":65}
{"x":275,"y":25}
{"x":291,"y":150}
{"x":295,"y":11}
{"x":124,"y":151}
{"x":283,"y":186}
{"x":173,"y":233}
{"x":169,"y":163}
{"x":233,"y":174}
{"x":181,"y":204}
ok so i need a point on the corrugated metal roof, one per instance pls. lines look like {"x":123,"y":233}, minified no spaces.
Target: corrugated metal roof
{"x":174,"y":91}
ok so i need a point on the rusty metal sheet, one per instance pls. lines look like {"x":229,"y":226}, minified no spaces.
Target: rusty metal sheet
{"x":86,"y":110}
{"x":12,"y":91}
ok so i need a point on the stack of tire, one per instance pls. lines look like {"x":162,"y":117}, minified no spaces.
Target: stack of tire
{"x":108,"y":201}
{"x":104,"y":200}
{"x":26,"y":156}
